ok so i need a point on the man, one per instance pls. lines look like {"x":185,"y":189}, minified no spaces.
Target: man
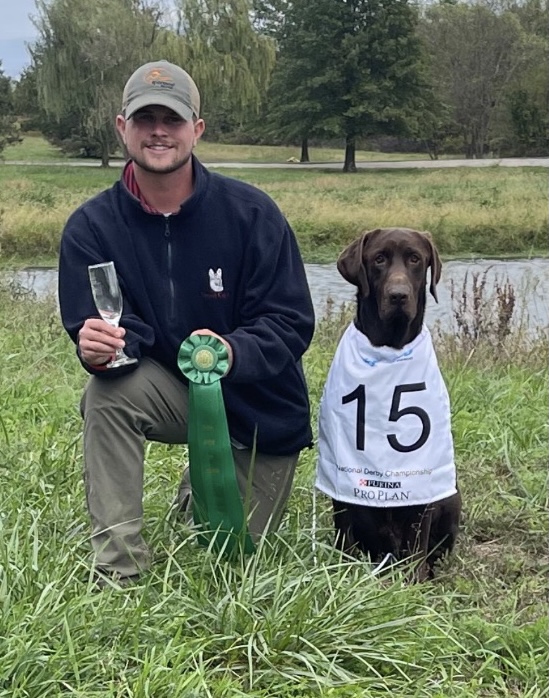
{"x":195,"y":252}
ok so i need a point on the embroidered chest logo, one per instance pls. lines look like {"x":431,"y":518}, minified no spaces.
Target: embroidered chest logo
{"x":216,"y":280}
{"x":217,"y":289}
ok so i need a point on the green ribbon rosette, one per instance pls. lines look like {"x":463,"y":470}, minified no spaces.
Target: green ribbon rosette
{"x":216,"y":500}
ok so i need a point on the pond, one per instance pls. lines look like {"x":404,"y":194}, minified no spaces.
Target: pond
{"x":529,"y":279}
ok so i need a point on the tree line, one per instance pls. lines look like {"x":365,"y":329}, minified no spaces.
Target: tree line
{"x":468,"y":78}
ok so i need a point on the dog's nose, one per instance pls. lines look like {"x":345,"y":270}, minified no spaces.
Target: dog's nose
{"x":398,"y":297}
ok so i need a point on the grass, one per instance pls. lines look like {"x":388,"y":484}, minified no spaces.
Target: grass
{"x":485,"y":212}
{"x":218,"y":152}
{"x":35,"y":148}
{"x":284,"y":622}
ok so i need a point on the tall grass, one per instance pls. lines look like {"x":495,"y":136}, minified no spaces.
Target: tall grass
{"x":487,"y":212}
{"x":284,"y":622}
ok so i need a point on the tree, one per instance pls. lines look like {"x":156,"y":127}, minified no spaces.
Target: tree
{"x":434,"y":126}
{"x":475,"y":53}
{"x":9,"y":128}
{"x":229,"y":60}
{"x":33,"y":117}
{"x":84,"y":55}
{"x":347,"y":67}
{"x":527,"y":97}
{"x":25,"y":97}
{"x":292,"y":111}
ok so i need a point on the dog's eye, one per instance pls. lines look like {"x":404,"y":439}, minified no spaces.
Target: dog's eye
{"x":415,"y":258}
{"x":379,"y":259}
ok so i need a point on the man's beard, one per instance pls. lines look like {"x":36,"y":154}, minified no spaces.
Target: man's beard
{"x":167,"y":169}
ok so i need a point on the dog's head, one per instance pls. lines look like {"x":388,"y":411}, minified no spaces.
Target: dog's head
{"x":389,"y":268}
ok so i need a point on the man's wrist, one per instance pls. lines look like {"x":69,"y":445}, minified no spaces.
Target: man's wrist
{"x":103,"y":366}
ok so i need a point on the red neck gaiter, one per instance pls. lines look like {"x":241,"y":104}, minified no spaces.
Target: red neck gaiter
{"x":128,"y":177}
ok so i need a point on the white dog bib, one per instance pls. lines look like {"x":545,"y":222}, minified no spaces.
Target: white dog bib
{"x":384,"y":430}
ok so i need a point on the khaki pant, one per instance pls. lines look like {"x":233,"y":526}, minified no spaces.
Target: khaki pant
{"x":119,"y":416}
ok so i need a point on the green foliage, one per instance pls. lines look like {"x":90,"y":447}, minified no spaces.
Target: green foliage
{"x":25,"y":97}
{"x":524,"y":126}
{"x":345,"y":68}
{"x":84,"y":55}
{"x":9,"y":128}
{"x":63,"y":129}
{"x":230,"y":62}
{"x":474,"y":53}
{"x":6,"y":94}
{"x":467,"y":78}
{"x":530,"y":123}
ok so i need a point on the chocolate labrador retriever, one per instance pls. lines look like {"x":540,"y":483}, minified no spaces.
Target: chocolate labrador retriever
{"x":385,"y":445}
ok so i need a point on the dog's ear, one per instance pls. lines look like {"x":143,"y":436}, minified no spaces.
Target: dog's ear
{"x":435,"y":264}
{"x":350,"y":264}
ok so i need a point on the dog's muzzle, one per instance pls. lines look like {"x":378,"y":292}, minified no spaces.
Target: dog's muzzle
{"x":398,"y":299}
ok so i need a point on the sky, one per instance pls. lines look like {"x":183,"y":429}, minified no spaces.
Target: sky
{"x":15,"y":30}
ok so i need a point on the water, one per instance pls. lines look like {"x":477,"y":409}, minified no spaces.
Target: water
{"x":529,"y":278}
{"x":40,"y":281}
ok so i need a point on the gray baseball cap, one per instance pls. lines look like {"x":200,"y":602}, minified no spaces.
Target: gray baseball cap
{"x":163,"y":83}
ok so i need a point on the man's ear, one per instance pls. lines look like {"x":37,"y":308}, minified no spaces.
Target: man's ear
{"x":199,"y":127}
{"x":120,"y":126}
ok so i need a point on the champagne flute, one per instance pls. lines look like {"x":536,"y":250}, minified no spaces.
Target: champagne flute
{"x":108,"y":301}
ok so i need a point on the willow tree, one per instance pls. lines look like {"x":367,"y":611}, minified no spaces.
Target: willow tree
{"x":231,"y":62}
{"x":83,"y":56}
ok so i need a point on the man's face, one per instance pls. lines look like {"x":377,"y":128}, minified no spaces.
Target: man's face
{"x":158,"y":140}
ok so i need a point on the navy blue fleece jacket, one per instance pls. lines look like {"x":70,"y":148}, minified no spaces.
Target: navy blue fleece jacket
{"x":227,"y":261}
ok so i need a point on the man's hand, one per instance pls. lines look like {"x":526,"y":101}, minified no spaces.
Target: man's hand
{"x":223,"y":341}
{"x":98,"y":341}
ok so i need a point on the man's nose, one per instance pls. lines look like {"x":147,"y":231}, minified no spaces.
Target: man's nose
{"x":158,"y":126}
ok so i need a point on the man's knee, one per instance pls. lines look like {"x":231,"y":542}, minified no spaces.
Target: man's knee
{"x":103,"y":393}
{"x":148,"y":383}
{"x":150,"y":398}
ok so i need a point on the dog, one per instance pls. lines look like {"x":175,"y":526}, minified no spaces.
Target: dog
{"x":386,"y":453}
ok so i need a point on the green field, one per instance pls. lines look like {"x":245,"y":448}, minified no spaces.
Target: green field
{"x":287,"y":622}
{"x":35,"y":148}
{"x":486,"y":212}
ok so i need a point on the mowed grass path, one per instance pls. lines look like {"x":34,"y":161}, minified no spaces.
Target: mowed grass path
{"x":484,"y":212}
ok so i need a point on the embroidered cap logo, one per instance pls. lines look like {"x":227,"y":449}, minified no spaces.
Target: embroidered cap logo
{"x":159,"y":77}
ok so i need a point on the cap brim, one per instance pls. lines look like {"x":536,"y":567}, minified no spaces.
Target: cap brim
{"x":161,"y":100}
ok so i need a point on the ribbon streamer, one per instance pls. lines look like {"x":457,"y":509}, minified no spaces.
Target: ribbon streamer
{"x":217,"y":505}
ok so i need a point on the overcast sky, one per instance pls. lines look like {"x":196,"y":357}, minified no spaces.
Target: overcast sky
{"x":15,"y":29}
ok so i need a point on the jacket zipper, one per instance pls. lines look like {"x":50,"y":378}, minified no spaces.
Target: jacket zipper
{"x":171,"y":286}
